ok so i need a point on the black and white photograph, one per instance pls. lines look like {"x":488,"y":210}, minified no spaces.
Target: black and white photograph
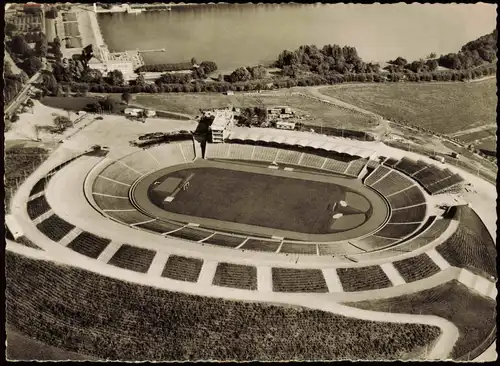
{"x":214,"y":182}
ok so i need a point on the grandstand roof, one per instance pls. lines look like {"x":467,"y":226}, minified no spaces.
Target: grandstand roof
{"x":324,"y":143}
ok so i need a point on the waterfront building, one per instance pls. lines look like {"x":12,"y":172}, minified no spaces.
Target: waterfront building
{"x":223,"y":120}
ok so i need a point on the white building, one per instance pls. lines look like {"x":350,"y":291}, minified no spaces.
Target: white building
{"x":222,"y":123}
{"x":285,"y":125}
{"x":132,"y":111}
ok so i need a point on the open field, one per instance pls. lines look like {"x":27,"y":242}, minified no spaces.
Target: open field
{"x":79,"y":311}
{"x":443,"y":108}
{"x":191,"y":103}
{"x":257,"y":199}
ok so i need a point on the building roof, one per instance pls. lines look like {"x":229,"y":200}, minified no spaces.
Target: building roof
{"x":221,"y":119}
{"x":318,"y":142}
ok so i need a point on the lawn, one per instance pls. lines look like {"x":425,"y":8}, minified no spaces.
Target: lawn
{"x":320,"y":113}
{"x":443,"y":108}
{"x":256,"y":199}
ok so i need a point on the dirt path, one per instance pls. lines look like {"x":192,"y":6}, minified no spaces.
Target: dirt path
{"x":381,"y":130}
{"x":471,"y":130}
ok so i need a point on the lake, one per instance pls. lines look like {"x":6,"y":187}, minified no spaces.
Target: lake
{"x":248,"y":34}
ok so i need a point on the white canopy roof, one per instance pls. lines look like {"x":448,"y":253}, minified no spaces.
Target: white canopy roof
{"x":318,"y":142}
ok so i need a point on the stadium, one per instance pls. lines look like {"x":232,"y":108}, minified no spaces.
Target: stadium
{"x":272,"y":245}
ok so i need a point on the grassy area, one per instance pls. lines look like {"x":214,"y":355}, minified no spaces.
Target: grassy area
{"x":473,"y":314}
{"x":83,"y":312}
{"x":443,"y":108}
{"x":20,"y":162}
{"x":258,"y":199}
{"x":68,"y":103}
{"x":191,"y":103}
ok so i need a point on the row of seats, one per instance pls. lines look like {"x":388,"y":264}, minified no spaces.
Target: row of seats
{"x":410,"y":214}
{"x":376,"y":175}
{"x":410,"y":167}
{"x":55,"y":228}
{"x":445,"y":184}
{"x":235,"y":276}
{"x":37,"y":207}
{"x":409,"y":197}
{"x":284,"y":156}
{"x":392,"y":183}
{"x":298,"y":280}
{"x":182,"y":268}
{"x":133,"y":258}
{"x":88,"y":244}
{"x":434,"y":231}
{"x":416,"y":268}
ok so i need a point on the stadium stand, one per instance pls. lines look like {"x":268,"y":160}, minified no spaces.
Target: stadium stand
{"x":411,"y":214}
{"x":140,"y":161}
{"x":133,"y":258}
{"x":120,"y":173}
{"x":148,"y":323}
{"x":338,"y":249}
{"x":409,"y":167}
{"x":391,"y":162}
{"x":397,"y":231}
{"x":409,"y":197}
{"x":241,"y":152}
{"x":55,"y":228}
{"x":235,"y":276}
{"x":225,"y":240}
{"x":372,"y":242}
{"x":473,"y":314}
{"x":291,"y":157}
{"x":298,"y":280}
{"x":312,"y":161}
{"x":128,"y":217}
{"x":112,"y":203}
{"x":392,"y":183}
{"x":217,"y":151}
{"x":37,"y":207}
{"x":445,"y":184}
{"x":355,"y":167}
{"x":363,"y":278}
{"x":261,"y":245}
{"x":471,"y":245}
{"x":337,"y":166}
{"x":292,"y":248}
{"x":187,"y":150}
{"x":372,"y":164}
{"x":170,"y":151}
{"x":434,"y":231}
{"x":264,"y":153}
{"x":376,"y":175}
{"x":89,"y":244}
{"x":182,"y":268}
{"x":102,"y":185}
{"x":159,"y":227}
{"x":416,"y":268}
{"x":191,"y":233}
{"x":39,"y":186}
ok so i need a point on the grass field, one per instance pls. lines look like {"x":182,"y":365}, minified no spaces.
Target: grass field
{"x":257,"y":199}
{"x":443,"y":108}
{"x":191,"y":103}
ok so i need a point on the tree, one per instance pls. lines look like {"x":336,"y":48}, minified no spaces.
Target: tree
{"x":432,"y":64}
{"x":209,"y":66}
{"x":31,"y":65}
{"x":115,"y":77}
{"x":126,"y":97}
{"x":10,"y":28}
{"x":140,"y":81}
{"x":431,"y":56}
{"x":20,"y":46}
{"x":257,"y":72}
{"x":41,"y":46}
{"x":194,"y":62}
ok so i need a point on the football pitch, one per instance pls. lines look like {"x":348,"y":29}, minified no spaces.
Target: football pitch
{"x":260,"y":200}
